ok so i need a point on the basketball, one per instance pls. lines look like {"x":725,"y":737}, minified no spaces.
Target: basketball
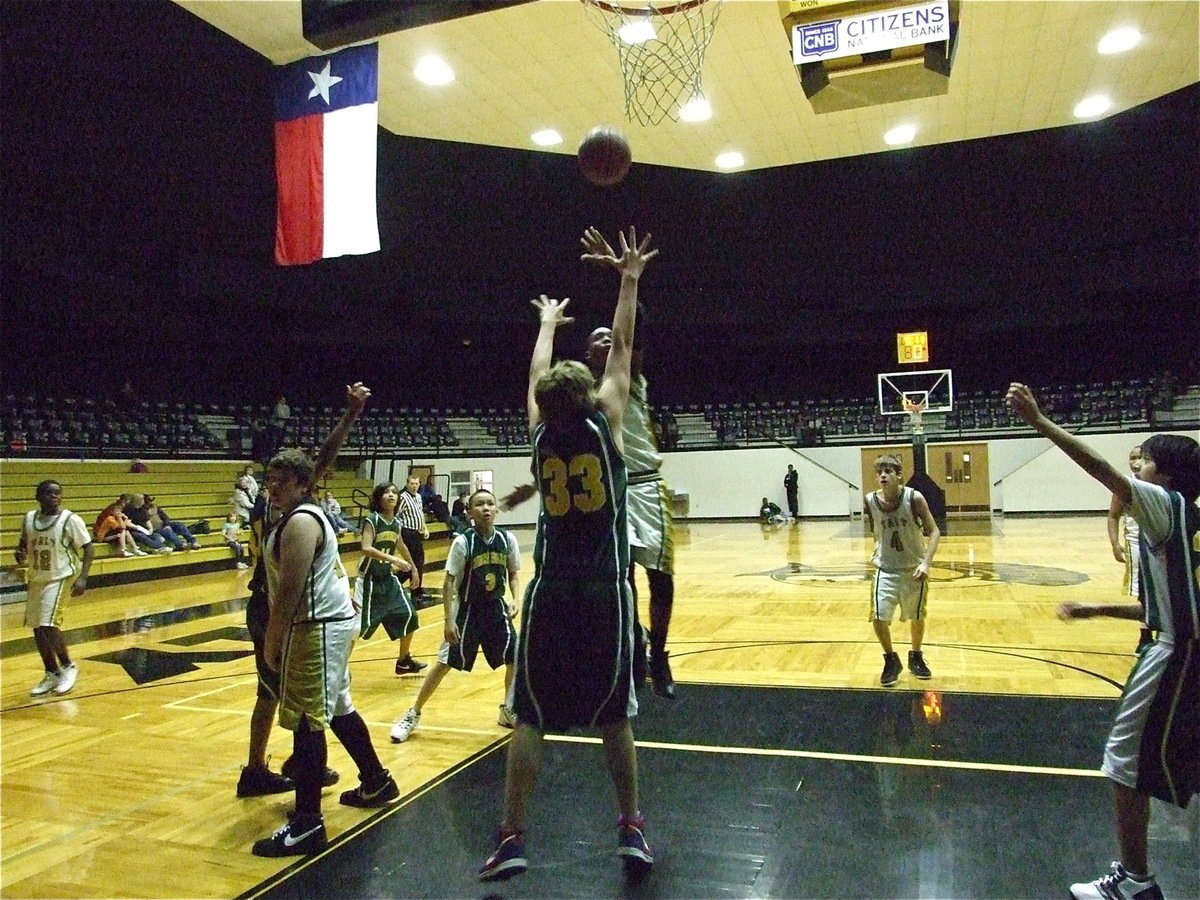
{"x":604,"y":156}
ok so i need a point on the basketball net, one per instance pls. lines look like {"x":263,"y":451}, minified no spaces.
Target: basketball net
{"x":914,"y":410}
{"x":660,"y":47}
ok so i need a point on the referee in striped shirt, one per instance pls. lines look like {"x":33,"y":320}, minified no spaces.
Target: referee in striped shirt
{"x":413,"y":531}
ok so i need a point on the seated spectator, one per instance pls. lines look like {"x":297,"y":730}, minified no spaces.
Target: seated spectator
{"x":248,"y":474}
{"x":243,"y":504}
{"x":139,"y":518}
{"x":427,"y":491}
{"x":230,"y":532}
{"x":770,"y":514}
{"x":137,"y":467}
{"x":113,"y":527}
{"x":174,"y":533}
{"x":458,"y":513}
{"x":440,"y":511}
{"x":333,"y":510}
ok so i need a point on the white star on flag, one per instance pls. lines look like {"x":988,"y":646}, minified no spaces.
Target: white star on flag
{"x":322,"y":82}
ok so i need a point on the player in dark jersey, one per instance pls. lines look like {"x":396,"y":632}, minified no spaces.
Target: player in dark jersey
{"x":378,"y":591}
{"x":575,"y":652}
{"x":481,"y":568}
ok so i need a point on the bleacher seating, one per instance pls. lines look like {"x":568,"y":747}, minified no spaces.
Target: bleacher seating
{"x":66,"y":427}
{"x":189,"y":491}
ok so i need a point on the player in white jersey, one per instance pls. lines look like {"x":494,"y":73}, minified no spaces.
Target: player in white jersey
{"x":58,"y":548}
{"x":1125,"y":548}
{"x":900,"y":519}
{"x":309,"y":638}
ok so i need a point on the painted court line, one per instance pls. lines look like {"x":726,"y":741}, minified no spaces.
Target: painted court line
{"x":845,"y":757}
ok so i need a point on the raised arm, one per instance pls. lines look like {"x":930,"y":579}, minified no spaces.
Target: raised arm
{"x":1022,"y":402}
{"x":613,"y":391}
{"x":356,"y":400}
{"x":551,"y":315}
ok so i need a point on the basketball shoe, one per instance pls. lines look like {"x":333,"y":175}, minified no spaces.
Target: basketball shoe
{"x":507,"y":860}
{"x":67,"y":676}
{"x":1118,"y":885}
{"x":296,"y":838}
{"x":631,"y":842}
{"x":916,"y":664}
{"x":405,"y":725}
{"x":891,"y":669}
{"x":380,"y":791}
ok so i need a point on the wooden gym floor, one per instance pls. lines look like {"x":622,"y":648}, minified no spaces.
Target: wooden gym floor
{"x":783,"y":769}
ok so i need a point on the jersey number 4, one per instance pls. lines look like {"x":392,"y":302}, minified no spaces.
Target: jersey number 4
{"x":556,"y":484}
{"x":896,"y":543}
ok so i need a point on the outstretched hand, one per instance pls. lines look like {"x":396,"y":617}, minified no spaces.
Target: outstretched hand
{"x":551,"y":310}
{"x":356,"y":397}
{"x":1022,"y":402}
{"x":517,"y":496}
{"x":633,"y":256}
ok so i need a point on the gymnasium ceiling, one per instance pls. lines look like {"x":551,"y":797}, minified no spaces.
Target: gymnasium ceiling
{"x":1021,"y":65}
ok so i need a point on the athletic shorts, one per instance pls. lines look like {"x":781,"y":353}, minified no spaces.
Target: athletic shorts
{"x":485,"y":625}
{"x":574,"y":656}
{"x":315,"y":676}
{"x":651,"y":526}
{"x":45,"y":601}
{"x":892,"y":589}
{"x":258,"y":613}
{"x":384,"y":601}
{"x":1152,"y":745}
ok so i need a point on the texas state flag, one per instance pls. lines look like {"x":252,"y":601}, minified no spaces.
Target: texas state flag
{"x":326,"y":122}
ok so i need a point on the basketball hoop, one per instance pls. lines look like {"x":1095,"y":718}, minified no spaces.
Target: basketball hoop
{"x":660,"y":47}
{"x":914,"y":410}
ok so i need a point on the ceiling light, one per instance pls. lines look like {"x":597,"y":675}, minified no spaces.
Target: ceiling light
{"x":730,"y":159}
{"x":433,"y":70}
{"x":1119,"y":40}
{"x":637,"y":31}
{"x":547,"y":137}
{"x":1092,"y":107}
{"x":696,"y":110}
{"x":901,"y":134}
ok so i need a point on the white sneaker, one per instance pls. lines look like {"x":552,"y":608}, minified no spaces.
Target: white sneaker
{"x":1117,"y":885}
{"x":241,"y":565}
{"x":67,"y":676}
{"x":404,"y":726}
{"x":48,"y":683}
{"x":507,"y":719}
{"x":139,"y":552}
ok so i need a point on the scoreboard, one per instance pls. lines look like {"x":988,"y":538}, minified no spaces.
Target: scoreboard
{"x":912,"y":347}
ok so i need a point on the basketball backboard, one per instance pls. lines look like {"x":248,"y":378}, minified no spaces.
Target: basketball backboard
{"x":931,"y":388}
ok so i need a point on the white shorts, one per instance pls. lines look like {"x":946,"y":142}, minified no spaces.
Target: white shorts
{"x":1133,"y":576}
{"x":651,"y":526}
{"x":903,"y":589}
{"x":1135,"y":734}
{"x":44,"y":604}
{"x":315,"y":676}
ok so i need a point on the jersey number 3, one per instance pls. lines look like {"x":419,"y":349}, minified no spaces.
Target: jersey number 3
{"x":556,"y":484}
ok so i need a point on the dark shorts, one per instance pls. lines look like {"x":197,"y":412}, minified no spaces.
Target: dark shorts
{"x":258,"y":612}
{"x":384,"y":601}
{"x":574,"y":656}
{"x":485,"y":625}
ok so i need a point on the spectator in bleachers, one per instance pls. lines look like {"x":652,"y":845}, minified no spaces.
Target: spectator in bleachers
{"x":248,"y":474}
{"x":427,"y":491}
{"x":174,"y":533}
{"x":113,"y":527}
{"x":139,"y":518}
{"x":458,"y":512}
{"x":333,"y":510}
{"x":243,"y":503}
{"x":279,"y":425}
{"x":231,"y":534}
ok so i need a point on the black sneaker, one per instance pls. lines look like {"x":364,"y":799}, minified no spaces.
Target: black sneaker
{"x":916,"y":664}
{"x":660,"y":675}
{"x":409,"y":666}
{"x":294,"y":839}
{"x":328,"y":779}
{"x":260,"y":782}
{"x":891,"y":669}
{"x":381,"y":793}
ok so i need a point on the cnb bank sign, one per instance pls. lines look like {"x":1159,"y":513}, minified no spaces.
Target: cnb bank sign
{"x":871,"y":32}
